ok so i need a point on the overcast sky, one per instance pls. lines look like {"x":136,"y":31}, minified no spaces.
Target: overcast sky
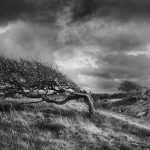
{"x":96,"y":42}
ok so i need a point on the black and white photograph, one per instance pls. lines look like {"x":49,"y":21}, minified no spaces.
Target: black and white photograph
{"x":74,"y":74}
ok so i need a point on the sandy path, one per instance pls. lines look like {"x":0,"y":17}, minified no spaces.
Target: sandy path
{"x":122,"y":120}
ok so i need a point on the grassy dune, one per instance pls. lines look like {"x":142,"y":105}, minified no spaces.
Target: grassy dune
{"x":67,"y":127}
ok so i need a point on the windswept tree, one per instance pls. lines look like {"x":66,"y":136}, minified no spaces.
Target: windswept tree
{"x":133,"y":89}
{"x":34,"y":79}
{"x":128,"y":86}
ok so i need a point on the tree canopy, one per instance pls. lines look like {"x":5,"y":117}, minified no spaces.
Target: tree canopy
{"x":34,"y":79}
{"x":128,"y":86}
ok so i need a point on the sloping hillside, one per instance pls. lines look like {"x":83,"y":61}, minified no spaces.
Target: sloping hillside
{"x":43,"y":126}
{"x":47,"y":126}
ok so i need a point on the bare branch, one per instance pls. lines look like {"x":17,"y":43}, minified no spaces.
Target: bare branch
{"x":75,"y":96}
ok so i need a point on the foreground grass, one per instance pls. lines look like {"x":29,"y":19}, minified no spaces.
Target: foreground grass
{"x":31,"y":129}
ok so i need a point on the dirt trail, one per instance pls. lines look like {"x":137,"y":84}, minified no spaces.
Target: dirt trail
{"x":125,"y":124}
{"x":124,"y":118}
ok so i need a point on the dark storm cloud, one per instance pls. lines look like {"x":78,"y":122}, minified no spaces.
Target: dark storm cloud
{"x":43,"y":11}
{"x":112,"y":37}
{"x":122,"y":10}
{"x":121,"y":42}
{"x":122,"y":66}
{"x":14,"y":9}
{"x":46,"y":10}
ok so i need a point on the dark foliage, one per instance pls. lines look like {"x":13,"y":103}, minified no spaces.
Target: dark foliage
{"x":16,"y":77}
{"x":128,"y":86}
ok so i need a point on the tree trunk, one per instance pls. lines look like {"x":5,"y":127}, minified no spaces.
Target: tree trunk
{"x":74,"y":96}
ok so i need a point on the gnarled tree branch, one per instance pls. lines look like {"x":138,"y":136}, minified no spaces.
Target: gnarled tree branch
{"x":75,"y":96}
